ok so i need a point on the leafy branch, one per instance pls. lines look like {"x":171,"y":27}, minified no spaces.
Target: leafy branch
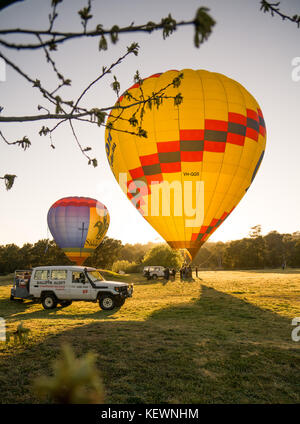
{"x":202,"y":23}
{"x":64,"y":110}
{"x":274,"y":10}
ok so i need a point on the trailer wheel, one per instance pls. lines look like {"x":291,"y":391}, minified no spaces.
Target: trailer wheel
{"x":107,"y":302}
{"x":49,"y":301}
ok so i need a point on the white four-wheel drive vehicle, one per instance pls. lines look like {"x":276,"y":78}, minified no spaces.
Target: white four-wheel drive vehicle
{"x":62,"y":284}
{"x":154,"y":272}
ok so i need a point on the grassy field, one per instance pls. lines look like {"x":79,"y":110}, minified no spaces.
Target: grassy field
{"x":222,"y":338}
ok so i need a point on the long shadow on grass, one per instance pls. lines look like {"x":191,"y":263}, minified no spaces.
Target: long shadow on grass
{"x":270,"y":271}
{"x":216,"y":349}
{"x":13,"y":310}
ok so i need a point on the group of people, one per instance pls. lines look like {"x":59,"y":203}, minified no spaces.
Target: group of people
{"x":169,"y":273}
{"x":185,"y":272}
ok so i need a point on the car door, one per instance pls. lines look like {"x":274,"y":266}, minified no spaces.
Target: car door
{"x":79,"y":287}
{"x":58,"y":281}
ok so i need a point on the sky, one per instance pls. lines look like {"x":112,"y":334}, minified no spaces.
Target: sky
{"x":246,"y":45}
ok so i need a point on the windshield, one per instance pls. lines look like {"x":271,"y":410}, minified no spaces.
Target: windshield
{"x":95,"y":276}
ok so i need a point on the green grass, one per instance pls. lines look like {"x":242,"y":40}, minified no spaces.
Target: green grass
{"x":222,"y":338}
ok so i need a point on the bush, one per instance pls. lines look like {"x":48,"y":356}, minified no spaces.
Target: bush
{"x":126,"y":266}
{"x":163,"y":255}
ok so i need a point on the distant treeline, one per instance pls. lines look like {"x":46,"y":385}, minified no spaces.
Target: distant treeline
{"x":256,"y":251}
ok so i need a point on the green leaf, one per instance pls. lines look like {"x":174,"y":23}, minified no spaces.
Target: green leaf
{"x":133,"y":121}
{"x":169,"y":25}
{"x":44,"y":131}
{"x":99,"y":28}
{"x":102,"y":43}
{"x":9,"y":180}
{"x":52,"y":45}
{"x":150,"y":26}
{"x":115,"y":85}
{"x":85,"y":14}
{"x":178,"y":99}
{"x":134,"y":48}
{"x":37,"y":83}
{"x":177,"y":80}
{"x":203,"y":24}
{"x":114,"y":34}
{"x":137,"y":79}
{"x":142,"y":133}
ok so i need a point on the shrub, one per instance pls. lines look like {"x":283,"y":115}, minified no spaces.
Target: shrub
{"x":126,"y":266}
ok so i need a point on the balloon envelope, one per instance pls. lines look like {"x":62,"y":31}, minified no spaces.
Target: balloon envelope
{"x":78,"y":225}
{"x":211,"y":146}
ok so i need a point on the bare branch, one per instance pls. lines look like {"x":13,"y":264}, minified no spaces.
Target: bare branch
{"x":274,"y":9}
{"x":107,"y":71}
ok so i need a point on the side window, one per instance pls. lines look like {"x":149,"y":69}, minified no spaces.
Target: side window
{"x":77,"y":277}
{"x":58,"y":274}
{"x":41,"y":274}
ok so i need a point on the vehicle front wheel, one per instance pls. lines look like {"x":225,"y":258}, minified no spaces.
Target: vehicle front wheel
{"x":49,"y":301}
{"x":107,"y":302}
{"x":154,"y":276}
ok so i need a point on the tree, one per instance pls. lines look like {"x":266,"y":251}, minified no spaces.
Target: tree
{"x":105,"y":254}
{"x":163,"y":255}
{"x":9,"y":258}
{"x":255,"y":231}
{"x":275,"y":249}
{"x":134,"y":252}
{"x":62,"y":110}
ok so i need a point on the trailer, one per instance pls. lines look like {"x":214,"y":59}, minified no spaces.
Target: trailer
{"x":21,"y":285}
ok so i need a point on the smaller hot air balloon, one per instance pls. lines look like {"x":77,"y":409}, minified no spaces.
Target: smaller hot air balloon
{"x":78,"y":225}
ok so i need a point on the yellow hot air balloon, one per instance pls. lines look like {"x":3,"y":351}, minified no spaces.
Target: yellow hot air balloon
{"x":199,"y":157}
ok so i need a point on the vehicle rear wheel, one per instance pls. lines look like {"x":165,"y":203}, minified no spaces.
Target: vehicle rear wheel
{"x":65,"y":303}
{"x":49,"y":301}
{"x":107,"y":302}
{"x":12,"y":297}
